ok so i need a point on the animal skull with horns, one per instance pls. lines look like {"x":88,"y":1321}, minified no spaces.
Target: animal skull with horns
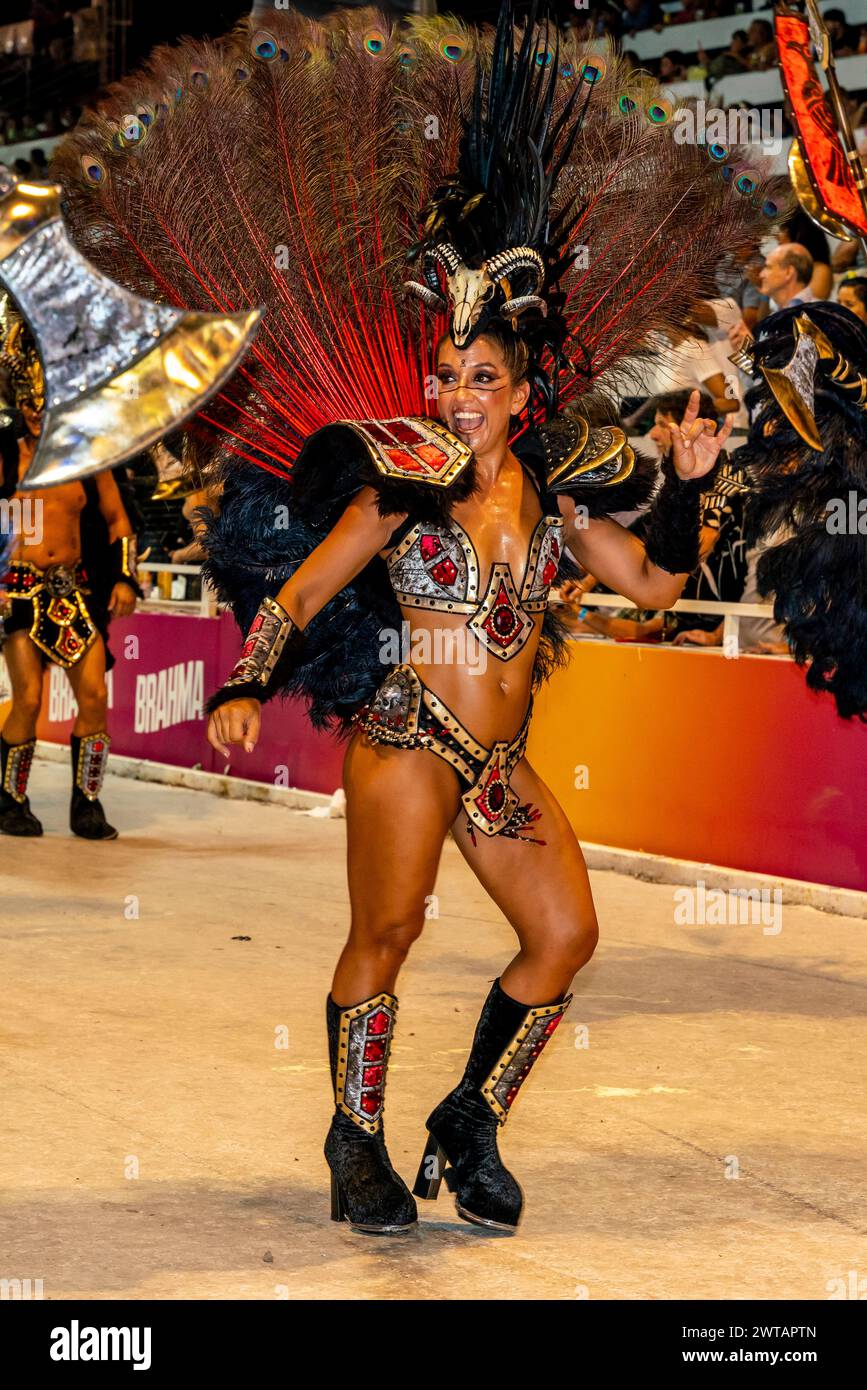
{"x":472,"y":292}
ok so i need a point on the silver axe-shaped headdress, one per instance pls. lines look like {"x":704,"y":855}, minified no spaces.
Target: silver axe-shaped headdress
{"x":120,"y":371}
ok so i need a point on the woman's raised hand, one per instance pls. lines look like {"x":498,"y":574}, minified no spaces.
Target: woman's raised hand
{"x":695,"y":443}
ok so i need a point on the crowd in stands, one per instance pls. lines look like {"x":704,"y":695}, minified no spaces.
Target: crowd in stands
{"x":625,"y":18}
{"x":751,"y":48}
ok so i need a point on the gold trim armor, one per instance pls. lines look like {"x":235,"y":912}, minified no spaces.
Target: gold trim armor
{"x":513,"y":1067}
{"x":62,"y":627}
{"x":406,"y":714}
{"x":413,"y":448}
{"x":363,"y":1044}
{"x":263,"y":645}
{"x":19,"y":759}
{"x":93,"y":750}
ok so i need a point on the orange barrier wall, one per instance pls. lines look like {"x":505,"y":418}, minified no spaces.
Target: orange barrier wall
{"x":691,"y":754}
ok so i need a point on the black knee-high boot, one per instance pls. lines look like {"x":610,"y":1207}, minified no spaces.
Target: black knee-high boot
{"x":365,"y":1189}
{"x":89,"y":760}
{"x":16,"y":817}
{"x":462,"y":1131}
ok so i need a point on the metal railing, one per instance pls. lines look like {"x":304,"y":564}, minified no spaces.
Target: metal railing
{"x":205,"y":606}
{"x":731,"y":613}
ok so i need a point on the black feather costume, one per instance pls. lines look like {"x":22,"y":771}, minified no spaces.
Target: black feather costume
{"x":818,"y":575}
{"x":315,"y":139}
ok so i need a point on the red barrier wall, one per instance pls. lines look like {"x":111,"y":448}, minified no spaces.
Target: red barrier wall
{"x":166,"y":667}
{"x":687,"y":754}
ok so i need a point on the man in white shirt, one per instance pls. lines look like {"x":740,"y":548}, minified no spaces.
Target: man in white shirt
{"x":785,"y":278}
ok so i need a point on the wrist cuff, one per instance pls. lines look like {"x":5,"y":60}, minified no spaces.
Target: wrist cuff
{"x":674,"y":521}
{"x":124,"y":561}
{"x":259,"y":670}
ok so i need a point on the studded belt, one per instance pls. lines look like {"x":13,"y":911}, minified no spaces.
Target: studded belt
{"x":60,"y":624}
{"x":23,"y":580}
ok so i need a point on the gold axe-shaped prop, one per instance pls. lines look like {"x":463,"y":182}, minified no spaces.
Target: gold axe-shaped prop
{"x":120,"y":371}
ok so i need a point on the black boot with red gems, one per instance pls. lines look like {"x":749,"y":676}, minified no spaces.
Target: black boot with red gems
{"x":462,"y":1131}
{"x":365,"y":1189}
{"x":16,"y":817}
{"x":89,"y":760}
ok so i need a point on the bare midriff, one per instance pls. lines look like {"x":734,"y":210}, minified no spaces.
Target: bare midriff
{"x":50,"y":531}
{"x":488,"y":695}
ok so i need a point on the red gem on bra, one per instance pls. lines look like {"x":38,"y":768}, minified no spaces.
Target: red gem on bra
{"x":446,"y":572}
{"x":430,"y":546}
{"x":502,"y":622}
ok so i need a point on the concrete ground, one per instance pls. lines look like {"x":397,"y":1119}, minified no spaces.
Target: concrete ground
{"x":695,"y":1130}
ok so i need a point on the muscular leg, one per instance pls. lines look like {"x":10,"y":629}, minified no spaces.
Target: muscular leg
{"x":26,"y":672}
{"x":400,"y":803}
{"x":544,"y":892}
{"x":87,"y":678}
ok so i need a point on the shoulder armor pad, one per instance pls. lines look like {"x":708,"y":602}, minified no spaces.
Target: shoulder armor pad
{"x":595,"y":467}
{"x":413,"y":449}
{"x":592,"y":457}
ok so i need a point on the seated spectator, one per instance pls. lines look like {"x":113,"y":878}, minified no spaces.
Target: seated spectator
{"x":756,"y":636}
{"x":685,"y":358}
{"x":193,"y":553}
{"x":785,"y":278}
{"x":763,"y":48}
{"x":735,"y":59}
{"x":688,"y":14}
{"x":852,"y":294}
{"x":639,"y":14}
{"x":844,"y":38}
{"x":802,"y":230}
{"x":722,"y":568}
{"x":672,"y":67}
{"x":738,"y":280}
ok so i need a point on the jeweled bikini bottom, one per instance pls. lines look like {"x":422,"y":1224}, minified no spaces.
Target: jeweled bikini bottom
{"x":405,"y":713}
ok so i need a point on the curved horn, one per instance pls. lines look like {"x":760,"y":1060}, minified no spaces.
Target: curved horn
{"x":513,"y":307}
{"x":516,"y":258}
{"x":446,"y":255}
{"x":428,"y":297}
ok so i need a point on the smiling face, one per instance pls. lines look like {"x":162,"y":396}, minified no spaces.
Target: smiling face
{"x":477,"y":395}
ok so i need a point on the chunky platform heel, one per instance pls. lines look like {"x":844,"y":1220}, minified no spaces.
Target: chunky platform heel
{"x":365,"y":1189}
{"x":431,"y":1171}
{"x":462,"y":1130}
